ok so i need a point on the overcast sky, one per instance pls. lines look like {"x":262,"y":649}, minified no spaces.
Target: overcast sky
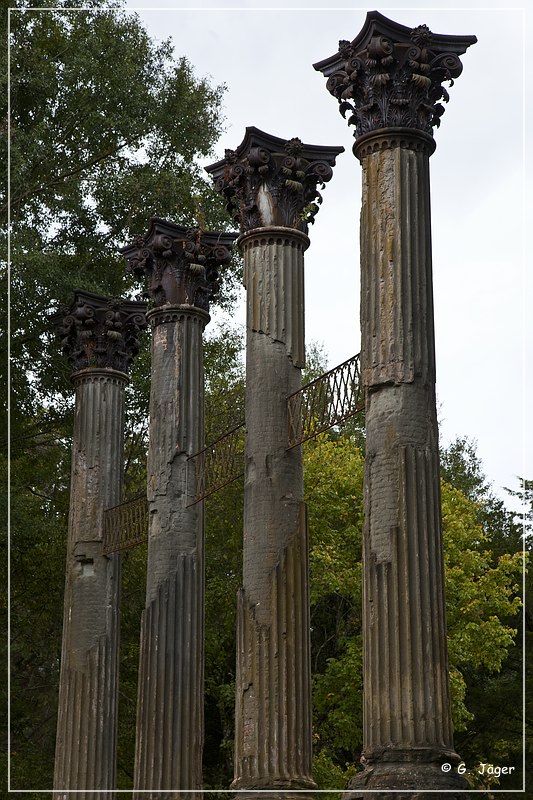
{"x":483,"y":294}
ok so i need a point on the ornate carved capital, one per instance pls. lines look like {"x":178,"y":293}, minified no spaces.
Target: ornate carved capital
{"x":269,"y":181}
{"x":100,"y":332}
{"x":180,"y":265}
{"x":391,"y":76}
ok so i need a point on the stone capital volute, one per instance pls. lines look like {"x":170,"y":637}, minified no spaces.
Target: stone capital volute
{"x":391,"y":76}
{"x":99,"y":332}
{"x":268,"y":181}
{"x":180,"y":265}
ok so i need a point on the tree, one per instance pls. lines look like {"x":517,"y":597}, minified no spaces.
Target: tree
{"x":495,"y":698}
{"x":462,"y":468}
{"x":482,"y":600}
{"x":106,"y":129}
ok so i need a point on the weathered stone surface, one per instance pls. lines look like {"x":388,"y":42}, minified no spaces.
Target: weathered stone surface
{"x":170,"y":710}
{"x":391,"y":76}
{"x":407,"y":723}
{"x":181,"y":269}
{"x":170,"y":693}
{"x":180,"y":265}
{"x":270,"y":188}
{"x":269,"y":665}
{"x":268,"y":181}
{"x":99,"y":335}
{"x":273,"y":746}
{"x":390,"y":79}
{"x":100,"y":332}
{"x":396,"y":302}
{"x":176,"y":432}
{"x":274,"y":277}
{"x":88,"y":687}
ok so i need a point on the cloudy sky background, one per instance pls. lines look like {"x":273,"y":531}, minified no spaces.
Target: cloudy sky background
{"x":481,"y":219}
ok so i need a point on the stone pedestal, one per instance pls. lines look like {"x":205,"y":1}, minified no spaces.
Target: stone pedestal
{"x":390,"y":79}
{"x":180,"y":267}
{"x":98,"y":335}
{"x":270,"y":186}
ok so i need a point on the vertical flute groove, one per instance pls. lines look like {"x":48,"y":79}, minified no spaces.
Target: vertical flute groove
{"x":272,"y":707}
{"x":170,"y":697}
{"x":88,"y":693}
{"x":406,"y":700}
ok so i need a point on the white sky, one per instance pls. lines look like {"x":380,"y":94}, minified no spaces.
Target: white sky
{"x":483,"y":293}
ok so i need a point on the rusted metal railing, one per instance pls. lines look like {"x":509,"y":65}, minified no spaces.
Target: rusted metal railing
{"x":329,"y":400}
{"x":126,"y":525}
{"x":220,"y":463}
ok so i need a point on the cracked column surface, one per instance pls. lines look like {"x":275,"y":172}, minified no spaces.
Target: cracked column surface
{"x":270,"y":187}
{"x":181,"y":269}
{"x":99,"y":337}
{"x":390,"y":78}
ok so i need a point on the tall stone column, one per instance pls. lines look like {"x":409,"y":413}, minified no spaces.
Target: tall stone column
{"x":390,"y":79}
{"x":181,"y":270}
{"x":270,"y":186}
{"x":99,"y":337}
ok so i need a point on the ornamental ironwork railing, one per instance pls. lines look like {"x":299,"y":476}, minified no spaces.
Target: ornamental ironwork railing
{"x":126,"y":525}
{"x":325,"y":402}
{"x":218,"y":464}
{"x":321,"y":404}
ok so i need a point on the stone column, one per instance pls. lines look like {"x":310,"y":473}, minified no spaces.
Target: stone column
{"x":181,"y":269}
{"x":270,"y":187}
{"x":390,"y":79}
{"x":99,"y":336}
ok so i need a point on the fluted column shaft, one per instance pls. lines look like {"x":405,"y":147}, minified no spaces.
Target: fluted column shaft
{"x":273,"y":692}
{"x":270,"y":188}
{"x":87,"y":719}
{"x":171,"y":668}
{"x":391,"y":79}
{"x":407,"y":723}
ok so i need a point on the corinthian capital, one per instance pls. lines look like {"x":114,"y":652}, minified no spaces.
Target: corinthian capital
{"x":100,"y":332}
{"x":391,"y":76}
{"x":269,"y":181}
{"x":180,"y":265}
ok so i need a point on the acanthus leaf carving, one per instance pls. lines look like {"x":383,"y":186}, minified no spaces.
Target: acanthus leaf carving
{"x":100,"y":332}
{"x":391,"y":76}
{"x":269,"y":181}
{"x":180,"y":265}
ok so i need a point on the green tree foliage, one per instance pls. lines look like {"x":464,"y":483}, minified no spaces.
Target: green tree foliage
{"x":482,"y":601}
{"x":39,"y":508}
{"x":224,"y":410}
{"x":106,"y":129}
{"x":494,"y":698}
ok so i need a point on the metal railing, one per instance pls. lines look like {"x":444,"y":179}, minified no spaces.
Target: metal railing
{"x":329,"y":400}
{"x":321,"y":404}
{"x":126,"y":525}
{"x":218,"y":464}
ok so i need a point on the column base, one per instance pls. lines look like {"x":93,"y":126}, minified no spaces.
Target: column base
{"x":274,"y":790}
{"x":168,"y":794}
{"x":413,"y":769}
{"x":274,"y":794}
